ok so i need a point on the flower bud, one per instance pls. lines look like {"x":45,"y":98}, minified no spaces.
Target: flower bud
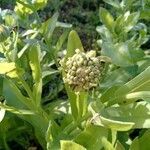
{"x":82,"y":70}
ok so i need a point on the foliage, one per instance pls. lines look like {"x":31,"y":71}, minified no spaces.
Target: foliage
{"x":95,"y":118}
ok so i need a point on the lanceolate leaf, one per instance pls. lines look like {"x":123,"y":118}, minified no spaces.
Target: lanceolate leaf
{"x":93,"y":134}
{"x":119,"y":53}
{"x":6,"y":67}
{"x":74,"y":43}
{"x":133,"y":90}
{"x":34,"y":56}
{"x":131,"y":21}
{"x":139,"y":83}
{"x":14,"y":96}
{"x":135,"y":115}
{"x":66,"y":145}
{"x":14,"y":110}
{"x":49,"y":26}
{"x":114,"y":3}
{"x":106,"y":18}
{"x":141,"y":143}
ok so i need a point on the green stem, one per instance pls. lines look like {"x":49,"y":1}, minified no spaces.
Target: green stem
{"x":74,"y":125}
{"x":27,"y":88}
{"x":114,"y":136}
{"x":79,"y":105}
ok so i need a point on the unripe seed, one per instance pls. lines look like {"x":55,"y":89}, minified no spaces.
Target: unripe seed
{"x":91,"y":53}
{"x":75,"y":79}
{"x":72,"y":73}
{"x":85,"y":62}
{"x":73,"y":68}
{"x":91,"y":74}
{"x":90,"y":62}
{"x":86,"y":78}
{"x":75,"y":64}
{"x":79,"y":71}
{"x":95,"y":60}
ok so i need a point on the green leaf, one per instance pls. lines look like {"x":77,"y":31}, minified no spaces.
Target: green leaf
{"x":81,"y":103}
{"x":74,"y":43}
{"x":107,"y":145}
{"x":105,"y":34}
{"x":115,"y":125}
{"x":72,"y":99}
{"x":117,"y":77}
{"x":119,"y":53}
{"x":140,"y":82}
{"x":119,"y":146}
{"x":61,"y":40}
{"x":30,"y":42}
{"x":108,"y":93}
{"x":7,"y":67}
{"x":11,"y":20}
{"x":49,"y":72}
{"x":34,"y":57}
{"x":13,"y":96}
{"x":49,"y":26}
{"x":106,"y":18}
{"x":94,"y":140}
{"x":49,"y":138}
{"x":141,"y":143}
{"x":139,"y":95}
{"x":15,"y":110}
{"x":114,"y":3}
{"x":133,"y":90}
{"x":145,"y":14}
{"x":123,"y":118}
{"x":30,"y":7}
{"x":131,"y":21}
{"x":69,"y":145}
{"x":63,"y":25}
{"x":119,"y":23}
{"x":55,"y":132}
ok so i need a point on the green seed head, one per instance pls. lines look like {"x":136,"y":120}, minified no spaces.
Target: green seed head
{"x":82,"y":70}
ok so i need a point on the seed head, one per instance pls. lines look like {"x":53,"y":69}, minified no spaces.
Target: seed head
{"x":83,"y":70}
